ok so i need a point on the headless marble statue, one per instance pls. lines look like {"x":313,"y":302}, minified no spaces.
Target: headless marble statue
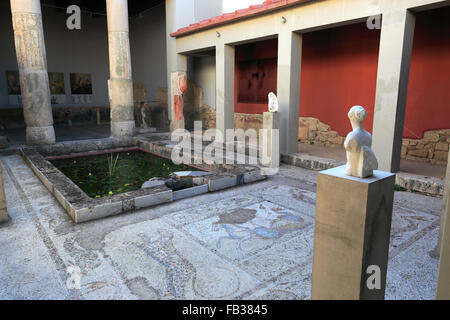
{"x":273,"y":102}
{"x":361,"y":160}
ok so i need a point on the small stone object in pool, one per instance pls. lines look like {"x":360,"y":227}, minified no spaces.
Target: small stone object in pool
{"x":153,"y":182}
{"x":190,"y":174}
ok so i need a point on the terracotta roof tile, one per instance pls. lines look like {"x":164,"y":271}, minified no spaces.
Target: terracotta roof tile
{"x":253,"y":10}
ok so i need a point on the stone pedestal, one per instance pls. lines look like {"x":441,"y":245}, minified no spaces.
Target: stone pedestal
{"x":3,"y":211}
{"x":271,"y":131}
{"x":32,"y":62}
{"x":352,"y":230}
{"x":443,"y":286}
{"x":120,"y":83}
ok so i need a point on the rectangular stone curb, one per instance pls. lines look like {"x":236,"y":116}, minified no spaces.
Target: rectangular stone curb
{"x":412,"y":182}
{"x":310,"y":162}
{"x":190,"y":192}
{"x":427,"y":185}
{"x":82,"y":208}
{"x":79,"y":205}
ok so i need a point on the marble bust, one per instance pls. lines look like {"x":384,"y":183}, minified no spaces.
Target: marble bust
{"x":273,"y":102}
{"x":361,"y":160}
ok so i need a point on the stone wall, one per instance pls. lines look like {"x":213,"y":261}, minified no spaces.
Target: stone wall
{"x":312,"y":131}
{"x":3,"y":212}
{"x":433,"y":148}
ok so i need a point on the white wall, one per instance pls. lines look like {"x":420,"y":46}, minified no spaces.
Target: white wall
{"x":148,"y":49}
{"x":204,"y":75}
{"x":233,"y":5}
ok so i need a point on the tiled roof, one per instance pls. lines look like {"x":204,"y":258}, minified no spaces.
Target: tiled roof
{"x":258,"y":9}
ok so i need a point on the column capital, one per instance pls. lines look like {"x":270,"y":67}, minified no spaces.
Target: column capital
{"x":28,"y":6}
{"x":117,"y":15}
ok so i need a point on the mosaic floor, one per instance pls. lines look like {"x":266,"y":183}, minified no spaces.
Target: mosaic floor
{"x":251,"y":242}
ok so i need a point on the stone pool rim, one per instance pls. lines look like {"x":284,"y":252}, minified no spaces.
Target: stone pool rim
{"x":82,"y":208}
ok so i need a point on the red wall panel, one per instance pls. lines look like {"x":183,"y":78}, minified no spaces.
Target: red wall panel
{"x":339,"y":70}
{"x":428,"y":103}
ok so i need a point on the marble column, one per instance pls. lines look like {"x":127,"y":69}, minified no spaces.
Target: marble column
{"x":120,"y":83}
{"x":32,"y":62}
{"x":225,"y":56}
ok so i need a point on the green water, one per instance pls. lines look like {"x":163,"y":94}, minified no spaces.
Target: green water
{"x":132,"y":169}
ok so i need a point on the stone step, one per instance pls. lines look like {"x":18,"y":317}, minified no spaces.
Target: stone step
{"x":411,"y":182}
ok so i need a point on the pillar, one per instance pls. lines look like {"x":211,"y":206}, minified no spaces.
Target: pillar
{"x":443,"y":285}
{"x":288,"y":88}
{"x":3,"y":210}
{"x":175,"y":62}
{"x":397,"y":33}
{"x":271,"y":139}
{"x":351,"y":236}
{"x":121,"y":83}
{"x":225,"y":59}
{"x":32,"y":62}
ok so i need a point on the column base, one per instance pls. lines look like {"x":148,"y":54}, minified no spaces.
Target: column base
{"x":40,"y":135}
{"x":123,"y":129}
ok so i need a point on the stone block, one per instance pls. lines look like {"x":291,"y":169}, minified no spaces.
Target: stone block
{"x":311,"y":122}
{"x":431,"y":136}
{"x":323,"y":127}
{"x":442,"y":146}
{"x":420,"y":153}
{"x":190,"y":192}
{"x":404,"y":151}
{"x":352,"y":233}
{"x":220,"y":183}
{"x":303,"y":130}
{"x":337,"y":140}
{"x":441,"y":155}
{"x":271,"y":125}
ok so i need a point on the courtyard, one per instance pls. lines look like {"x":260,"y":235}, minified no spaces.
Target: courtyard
{"x":224,"y":150}
{"x":248,"y":242}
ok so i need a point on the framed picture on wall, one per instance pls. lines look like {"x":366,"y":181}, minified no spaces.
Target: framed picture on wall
{"x":56,"y":82}
{"x":13,"y":82}
{"x":80,"y":83}
{"x":57,"y":87}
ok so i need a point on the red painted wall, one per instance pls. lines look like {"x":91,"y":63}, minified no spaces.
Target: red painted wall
{"x":339,"y":69}
{"x":428,"y":103}
{"x":263,"y":50}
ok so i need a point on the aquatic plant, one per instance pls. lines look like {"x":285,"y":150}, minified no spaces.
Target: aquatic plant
{"x":112,"y":164}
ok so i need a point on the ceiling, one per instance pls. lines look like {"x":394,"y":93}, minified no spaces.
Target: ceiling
{"x":99,"y":6}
